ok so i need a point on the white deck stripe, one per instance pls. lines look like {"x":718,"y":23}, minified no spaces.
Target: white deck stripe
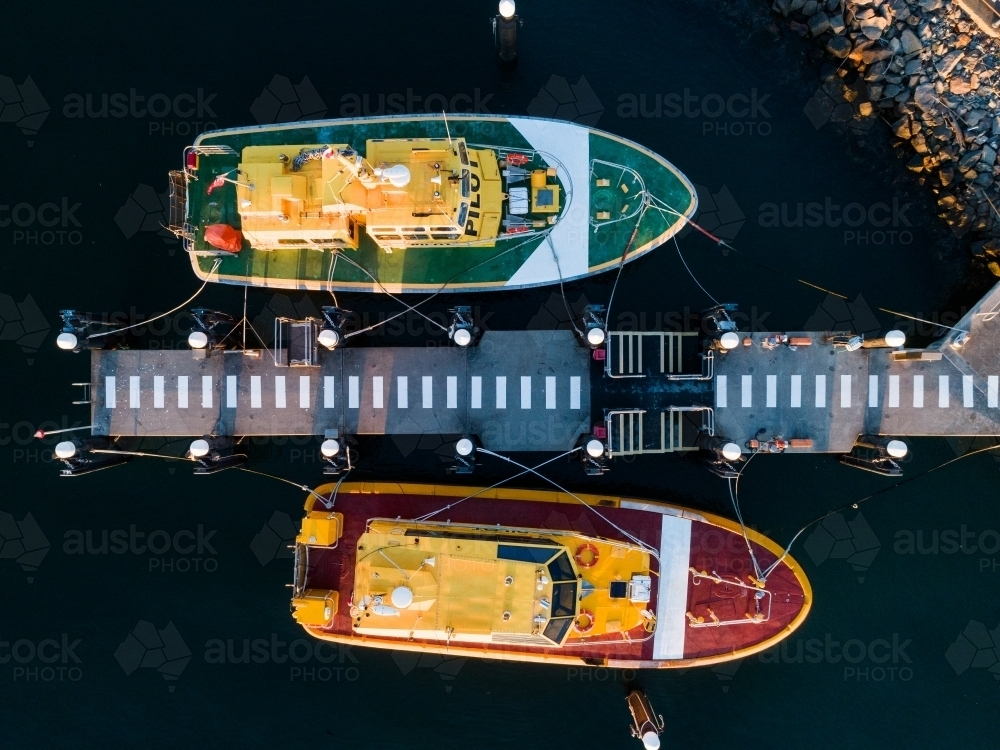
{"x":992,"y":383}
{"x":550,"y":392}
{"x":110,"y":400}
{"x":329,"y":394}
{"x":574,"y":392}
{"x":157,"y":391}
{"x":353,"y":392}
{"x":255,"y":398}
{"x":918,"y":391}
{"x":182,"y":391}
{"x":943,"y":391}
{"x":303,"y":391}
{"x":820,"y":392}
{"x":845,"y":391}
{"x":477,"y":392}
{"x":501,"y":391}
{"x":671,"y":599}
{"x":452,"y":385}
{"x":967,"y":397}
{"x":279,"y":392}
{"x":893,"y":391}
{"x":747,"y":383}
{"x":796,"y":395}
{"x":231,"y":391}
{"x":721,"y":382}
{"x":427,"y":386}
{"x":402,"y":392}
{"x":133,"y":391}
{"x":206,"y":391}
{"x":873,"y":391}
{"x":525,"y":391}
{"x":377,"y":392}
{"x":772,"y":391}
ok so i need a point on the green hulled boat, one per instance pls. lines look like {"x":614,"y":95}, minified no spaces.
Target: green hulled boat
{"x":456,"y":203}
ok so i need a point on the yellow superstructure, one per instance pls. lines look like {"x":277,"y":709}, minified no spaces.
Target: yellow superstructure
{"x":405,"y":191}
{"x":460,"y":584}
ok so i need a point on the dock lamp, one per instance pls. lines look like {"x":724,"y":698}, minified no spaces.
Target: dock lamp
{"x":332,"y":334}
{"x":338,"y":456}
{"x":462,"y":331}
{"x":505,"y":25}
{"x":465,"y":455}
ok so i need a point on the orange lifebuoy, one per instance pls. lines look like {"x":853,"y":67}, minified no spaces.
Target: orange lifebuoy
{"x":584,"y":621}
{"x":586,"y":555}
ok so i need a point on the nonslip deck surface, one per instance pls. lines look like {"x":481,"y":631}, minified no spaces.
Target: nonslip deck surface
{"x":515,"y":390}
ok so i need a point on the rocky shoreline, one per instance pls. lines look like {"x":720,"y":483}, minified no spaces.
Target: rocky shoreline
{"x":932,"y":73}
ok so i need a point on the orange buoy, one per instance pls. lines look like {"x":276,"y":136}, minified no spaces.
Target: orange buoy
{"x":584,"y":621}
{"x":586,"y":555}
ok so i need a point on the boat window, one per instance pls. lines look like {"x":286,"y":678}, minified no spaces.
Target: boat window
{"x":415,"y":237}
{"x":462,"y":153}
{"x":561,"y":569}
{"x":563,"y":599}
{"x":524,"y":554}
{"x":557,"y":629}
{"x":445,"y":236}
{"x":466,"y":183}
{"x":463,"y":214}
{"x":293,"y":242}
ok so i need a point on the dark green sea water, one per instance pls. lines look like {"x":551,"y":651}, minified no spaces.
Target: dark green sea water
{"x":882,"y":660}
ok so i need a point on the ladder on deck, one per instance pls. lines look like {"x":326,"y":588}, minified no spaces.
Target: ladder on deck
{"x":626,"y":350}
{"x":627,"y":430}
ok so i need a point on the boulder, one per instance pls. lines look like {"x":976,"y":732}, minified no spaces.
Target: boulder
{"x":871,"y":32}
{"x":838,"y":46}
{"x":912,"y":67}
{"x":892,"y":91}
{"x":919,"y":143}
{"x":925,"y":97}
{"x":874,"y":54}
{"x":810,"y":8}
{"x":837,"y":24}
{"x":946,"y":175}
{"x":994,"y":267}
{"x":818,"y":24}
{"x":930,"y":4}
{"x":784,"y":7}
{"x":947,"y":63}
{"x":985,"y":179}
{"x":969,"y":159}
{"x":910,"y":43}
{"x":959,"y":86}
{"x":989,"y":157}
{"x":902,"y":127}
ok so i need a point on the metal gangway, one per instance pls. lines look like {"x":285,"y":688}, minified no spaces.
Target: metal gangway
{"x":629,"y":432}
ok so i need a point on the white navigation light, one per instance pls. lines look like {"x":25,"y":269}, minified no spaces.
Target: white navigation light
{"x":328,"y":338}
{"x":401,"y":597}
{"x":731,"y":451}
{"x":462,"y":337}
{"x":595,"y":336}
{"x":199,"y":448}
{"x":595,"y":448}
{"x":330,"y":448}
{"x":198,"y":339}
{"x":729,"y":340}
{"x":66,"y":449}
{"x":464,"y":447}
{"x":896,"y":448}
{"x":66,"y":341}
{"x":651,"y":741}
{"x":507,"y":8}
{"x":895,"y":338}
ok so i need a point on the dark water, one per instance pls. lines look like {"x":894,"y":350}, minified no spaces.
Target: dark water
{"x":839,"y":682}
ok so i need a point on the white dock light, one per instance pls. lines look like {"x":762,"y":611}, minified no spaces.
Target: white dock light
{"x":507,"y":8}
{"x":198,"y":339}
{"x":462,"y":337}
{"x":330,"y":448}
{"x":896,"y":448}
{"x":66,"y":449}
{"x":464,"y":447}
{"x":729,"y":340}
{"x":595,"y":336}
{"x":651,"y":741}
{"x":66,"y":341}
{"x":731,"y":451}
{"x":329,"y":338}
{"x":595,"y":448}
{"x":199,"y":448}
{"x":895,"y":338}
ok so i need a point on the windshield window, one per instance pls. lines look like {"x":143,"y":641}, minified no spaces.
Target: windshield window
{"x":561,"y":569}
{"x":462,"y":153}
{"x":563,"y":599}
{"x":523,"y":554}
{"x":463,"y":214}
{"x":557,"y":629}
{"x":466,"y":183}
